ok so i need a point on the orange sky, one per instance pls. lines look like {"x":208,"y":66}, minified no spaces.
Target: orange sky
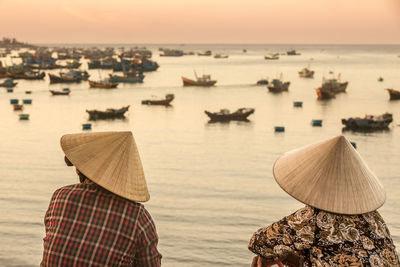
{"x":201,"y":21}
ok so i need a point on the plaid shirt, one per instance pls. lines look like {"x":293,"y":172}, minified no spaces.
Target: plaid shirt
{"x":87,"y":225}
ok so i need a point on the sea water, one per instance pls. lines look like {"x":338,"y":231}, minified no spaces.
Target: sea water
{"x":211,"y":184}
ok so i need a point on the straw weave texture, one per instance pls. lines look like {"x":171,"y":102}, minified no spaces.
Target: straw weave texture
{"x":330,"y":175}
{"x":110,"y":159}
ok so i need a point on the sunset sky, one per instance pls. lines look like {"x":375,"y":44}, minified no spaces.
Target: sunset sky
{"x":201,"y":21}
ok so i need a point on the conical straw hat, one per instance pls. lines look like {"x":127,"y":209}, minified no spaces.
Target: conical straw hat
{"x":331,"y":176}
{"x":110,"y":159}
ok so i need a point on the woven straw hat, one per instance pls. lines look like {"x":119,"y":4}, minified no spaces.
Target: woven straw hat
{"x":331,"y":176}
{"x":110,"y":159}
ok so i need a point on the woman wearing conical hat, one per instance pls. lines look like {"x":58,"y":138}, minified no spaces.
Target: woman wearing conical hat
{"x":339,"y":226}
{"x":100,"y":222}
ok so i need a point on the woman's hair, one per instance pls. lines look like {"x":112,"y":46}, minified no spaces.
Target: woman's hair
{"x":82,"y":177}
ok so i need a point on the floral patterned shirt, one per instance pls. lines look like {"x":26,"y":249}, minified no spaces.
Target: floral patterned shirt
{"x":326,"y":239}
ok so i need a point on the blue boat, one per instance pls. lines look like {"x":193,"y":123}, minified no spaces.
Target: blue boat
{"x":27,"y":101}
{"x":10,"y":90}
{"x":14,"y":101}
{"x":128,"y":77}
{"x":297,"y":104}
{"x":316,"y":123}
{"x":141,"y":65}
{"x":23,"y":117}
{"x":86,"y":126}
{"x":279,"y":128}
{"x":368,"y":123}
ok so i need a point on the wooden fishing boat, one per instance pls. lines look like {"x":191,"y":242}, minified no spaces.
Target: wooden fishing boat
{"x":205,"y":53}
{"x":394,"y":94}
{"x":262,"y":82}
{"x":368,"y":123}
{"x":63,"y":79}
{"x":127,"y":77}
{"x":162,"y":102}
{"x":64,"y":92}
{"x":334,"y":85}
{"x":225,"y":115}
{"x":292,"y":53}
{"x":107,"y":114}
{"x":306,"y":73}
{"x":324,"y":94}
{"x":8,"y":83}
{"x":277,"y":86}
{"x":104,"y":84}
{"x":28,"y":75}
{"x":221,"y":56}
{"x":272,"y":56}
{"x":204,"y":80}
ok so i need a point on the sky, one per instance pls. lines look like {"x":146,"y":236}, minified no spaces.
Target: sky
{"x":202,"y":21}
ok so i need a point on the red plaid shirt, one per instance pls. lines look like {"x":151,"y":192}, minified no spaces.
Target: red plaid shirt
{"x":87,"y":225}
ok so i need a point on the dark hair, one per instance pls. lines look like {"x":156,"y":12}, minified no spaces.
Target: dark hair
{"x":82,"y":177}
{"x":69,"y":163}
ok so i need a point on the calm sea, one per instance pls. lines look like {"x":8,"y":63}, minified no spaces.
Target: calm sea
{"x":211,"y":185}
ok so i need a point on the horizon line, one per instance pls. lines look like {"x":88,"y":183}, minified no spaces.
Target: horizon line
{"x":183,"y":44}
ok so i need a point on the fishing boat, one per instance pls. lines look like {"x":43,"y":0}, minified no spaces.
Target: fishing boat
{"x":368,"y":123}
{"x":205,"y":53}
{"x":272,"y":56}
{"x":394,"y":94}
{"x":324,"y":93}
{"x":221,"y":56}
{"x":204,"y":80}
{"x":306,"y":73}
{"x":27,"y":75}
{"x":262,"y":82}
{"x":63,"y":92}
{"x":277,"y":86}
{"x":131,"y":76}
{"x":171,"y":53}
{"x":109,"y":113}
{"x":292,"y":53}
{"x":225,"y":115}
{"x":8,"y":83}
{"x":334,"y":85}
{"x":68,"y":77}
{"x":162,"y":102}
{"x":104,"y":84}
{"x":127,"y":77}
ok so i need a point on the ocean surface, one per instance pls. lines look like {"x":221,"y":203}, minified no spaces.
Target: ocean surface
{"x":211,"y":185}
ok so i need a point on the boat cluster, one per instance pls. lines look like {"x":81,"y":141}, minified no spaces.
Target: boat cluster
{"x":134,"y":62}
